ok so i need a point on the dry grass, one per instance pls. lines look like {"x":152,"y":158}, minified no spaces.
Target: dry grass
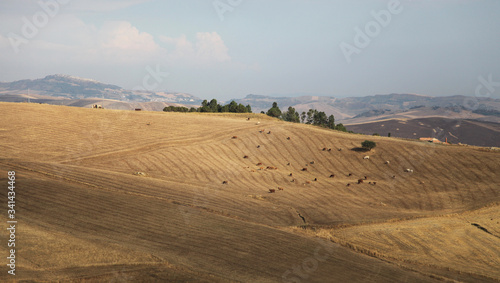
{"x":447,"y":242}
{"x":60,"y":250}
{"x":76,"y":169}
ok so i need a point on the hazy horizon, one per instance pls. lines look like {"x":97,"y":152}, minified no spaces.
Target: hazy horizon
{"x":229,"y":49}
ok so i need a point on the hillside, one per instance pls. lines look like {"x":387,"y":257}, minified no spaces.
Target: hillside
{"x":344,"y":109}
{"x":114,"y":195}
{"x":470,"y":132}
{"x":55,"y":89}
{"x":83,"y":92}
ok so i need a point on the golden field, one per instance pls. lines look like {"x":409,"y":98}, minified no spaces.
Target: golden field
{"x":109,"y":195}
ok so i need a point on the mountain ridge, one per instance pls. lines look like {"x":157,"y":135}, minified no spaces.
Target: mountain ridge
{"x":68,"y":89}
{"x":71,"y":87}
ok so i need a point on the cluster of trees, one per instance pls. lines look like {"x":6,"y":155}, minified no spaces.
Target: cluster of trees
{"x":313,"y":117}
{"x":212,"y":106}
{"x":179,"y":109}
{"x":232,"y":107}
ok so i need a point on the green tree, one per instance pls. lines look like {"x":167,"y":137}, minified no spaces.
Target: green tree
{"x":291,"y":115}
{"x":213,"y":105}
{"x":274,"y":111}
{"x":241,"y":108}
{"x":204,"y":109}
{"x":303,"y":117}
{"x":340,"y":127}
{"x":369,"y":145}
{"x":389,"y":134}
{"x":249,"y":108}
{"x":233,"y":107}
{"x":331,"y":122}
{"x":310,"y":116}
{"x":320,"y":118}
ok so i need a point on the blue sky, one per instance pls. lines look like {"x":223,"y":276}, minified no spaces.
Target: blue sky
{"x":230,"y":48}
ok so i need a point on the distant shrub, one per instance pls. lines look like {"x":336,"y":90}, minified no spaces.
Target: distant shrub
{"x":175,"y":109}
{"x":340,"y":127}
{"x":376,"y":134}
{"x":490,"y":112}
{"x":369,"y":145}
{"x":418,"y":106}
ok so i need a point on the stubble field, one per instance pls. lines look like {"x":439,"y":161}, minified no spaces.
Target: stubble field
{"x":137,"y":196}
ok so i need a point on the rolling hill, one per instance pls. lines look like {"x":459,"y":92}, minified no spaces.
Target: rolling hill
{"x":345,"y":109}
{"x":464,"y":131}
{"x":115,"y":195}
{"x":65,"y":89}
{"x":82,"y":92}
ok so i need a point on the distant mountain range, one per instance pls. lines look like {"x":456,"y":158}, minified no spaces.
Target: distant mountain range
{"x":67,"y":90}
{"x":81,"y":92}
{"x":348,"y":108}
{"x":402,"y":115}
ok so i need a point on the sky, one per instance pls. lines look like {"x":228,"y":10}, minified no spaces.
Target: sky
{"x":230,"y":48}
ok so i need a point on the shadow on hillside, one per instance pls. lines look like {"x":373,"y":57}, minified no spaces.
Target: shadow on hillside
{"x":359,"y":149}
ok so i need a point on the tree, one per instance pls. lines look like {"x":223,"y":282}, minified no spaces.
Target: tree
{"x":303,"y":117}
{"x":233,"y":107}
{"x":310,"y":116}
{"x":213,"y":105}
{"x":369,"y":145}
{"x":291,"y":115}
{"x":175,"y":109}
{"x":331,"y":122}
{"x":249,"y":108}
{"x":204,"y":109}
{"x":274,"y":111}
{"x":242,"y":108}
{"x":320,"y":118}
{"x":340,"y":127}
{"x":389,"y":134}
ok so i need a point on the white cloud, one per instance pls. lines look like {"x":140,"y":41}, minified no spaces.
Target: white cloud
{"x":182,"y":48}
{"x":117,"y":42}
{"x":208,"y":49}
{"x":122,"y":40}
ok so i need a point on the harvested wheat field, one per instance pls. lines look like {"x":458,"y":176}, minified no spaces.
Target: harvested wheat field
{"x":108,"y":195}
